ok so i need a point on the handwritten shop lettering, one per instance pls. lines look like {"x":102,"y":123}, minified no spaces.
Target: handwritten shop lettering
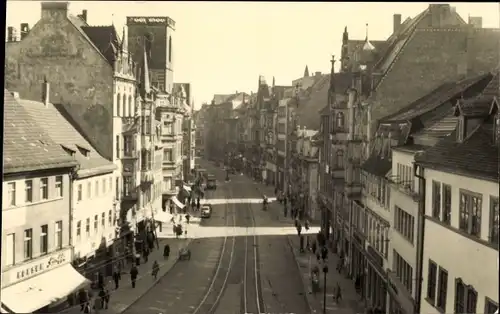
{"x":42,"y":266}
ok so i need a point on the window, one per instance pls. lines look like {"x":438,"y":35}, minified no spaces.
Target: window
{"x":28,"y":244}
{"x":442,"y":289}
{"x":436,"y":199}
{"x":10,"y":249}
{"x":28,"y":191}
{"x":96,"y":188}
{"x":494,"y":221}
{"x":89,"y":189}
{"x":124,"y":102}
{"x":59,"y":186}
{"x":117,"y":146}
{"x":59,"y":235}
{"x":170,"y":49}
{"x":127,"y":145}
{"x":403,"y":270}
{"x":490,"y":306}
{"x":340,"y":121}
{"x":118,"y":104}
{"x":465,"y":297}
{"x":103,"y":186}
{"x":79,"y":230}
{"x":340,"y":159}
{"x":127,"y":185}
{"x":110,"y":184}
{"x":44,"y":188}
{"x":103,"y":220}
{"x":12,"y":193}
{"x":431,"y":283}
{"x":470,"y":213}
{"x":87,"y":227}
{"x":96,"y":223}
{"x":167,"y":154}
{"x":167,"y":182}
{"x":404,"y":224}
{"x":44,"y":240}
{"x":446,"y":217}
{"x":131,"y":106}
{"x":79,"y":193}
{"x":110,"y":218}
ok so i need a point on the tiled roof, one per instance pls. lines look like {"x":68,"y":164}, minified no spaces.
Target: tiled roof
{"x":220,"y":98}
{"x":105,"y":39}
{"x":429,"y":58}
{"x":477,"y":155}
{"x":63,"y":133}
{"x":377,"y":166}
{"x":439,"y":128}
{"x":481,"y":105}
{"x":442,"y":94}
{"x":26,"y":146}
{"x":79,"y":24}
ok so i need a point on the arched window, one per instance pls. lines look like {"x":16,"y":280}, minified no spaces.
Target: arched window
{"x":340,"y":121}
{"x":131,"y":106}
{"x":340,"y":159}
{"x":124,"y":104}
{"x":170,"y":49}
{"x":118,"y":104}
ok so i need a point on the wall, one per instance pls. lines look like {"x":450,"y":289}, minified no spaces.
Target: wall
{"x":33,"y":215}
{"x":80,"y":77}
{"x":464,"y":258}
{"x":97,"y":201}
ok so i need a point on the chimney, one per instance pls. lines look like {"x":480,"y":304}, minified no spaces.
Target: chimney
{"x":25,"y":29}
{"x":46,"y":92}
{"x":54,"y":10}
{"x":10,"y":34}
{"x":396,"y":18}
{"x":317,"y":73}
{"x":476,"y":21}
{"x":84,"y":15}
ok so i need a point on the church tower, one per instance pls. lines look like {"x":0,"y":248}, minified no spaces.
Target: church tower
{"x":344,"y":54}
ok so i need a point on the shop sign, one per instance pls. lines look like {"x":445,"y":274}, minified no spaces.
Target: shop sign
{"x":150,"y":20}
{"x":39,"y":265}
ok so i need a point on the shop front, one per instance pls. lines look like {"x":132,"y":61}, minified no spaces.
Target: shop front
{"x":400,"y":299}
{"x":376,"y":287}
{"x":358,"y":261}
{"x":40,"y":285}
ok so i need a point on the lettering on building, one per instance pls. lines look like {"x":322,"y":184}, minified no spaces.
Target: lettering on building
{"x":30,"y":271}
{"x":56,"y":260}
{"x":152,"y":20}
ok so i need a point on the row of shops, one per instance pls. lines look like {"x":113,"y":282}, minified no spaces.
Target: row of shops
{"x":362,"y":261}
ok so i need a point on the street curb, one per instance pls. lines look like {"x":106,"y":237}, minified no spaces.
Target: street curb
{"x":155,"y":283}
{"x":304,"y":282}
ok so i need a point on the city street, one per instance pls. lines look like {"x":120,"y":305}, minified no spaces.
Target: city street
{"x":241,"y":264}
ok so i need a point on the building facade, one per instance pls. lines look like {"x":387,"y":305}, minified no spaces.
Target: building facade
{"x":36,"y":215}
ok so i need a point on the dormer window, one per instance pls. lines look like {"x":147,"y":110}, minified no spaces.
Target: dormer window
{"x":85,"y":152}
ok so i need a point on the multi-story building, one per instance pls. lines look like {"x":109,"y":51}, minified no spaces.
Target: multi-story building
{"x":200,"y":117}
{"x":93,"y":215}
{"x":96,"y":90}
{"x":283,"y":127}
{"x":36,"y":215}
{"x":381,"y":72}
{"x":184,"y":92}
{"x":156,"y":34}
{"x":459,"y":180}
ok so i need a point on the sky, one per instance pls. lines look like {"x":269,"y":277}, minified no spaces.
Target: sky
{"x":223,"y":47}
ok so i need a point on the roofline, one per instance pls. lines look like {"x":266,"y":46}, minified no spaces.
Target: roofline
{"x":461,"y":172}
{"x":105,"y":169}
{"x":37,"y":167}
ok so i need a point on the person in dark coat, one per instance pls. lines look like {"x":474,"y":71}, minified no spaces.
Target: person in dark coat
{"x":83,"y":298}
{"x":155,"y":270}
{"x":116,"y":278}
{"x":133,"y":275}
{"x":104,"y":298}
{"x":145,"y":254}
{"x":166,"y":251}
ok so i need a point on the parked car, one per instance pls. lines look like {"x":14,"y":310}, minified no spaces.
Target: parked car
{"x":206,"y":211}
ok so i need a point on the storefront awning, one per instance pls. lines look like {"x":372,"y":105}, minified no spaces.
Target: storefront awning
{"x":177,"y":202}
{"x":163,"y":216}
{"x":32,"y":294}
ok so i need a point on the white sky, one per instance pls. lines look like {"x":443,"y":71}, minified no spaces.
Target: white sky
{"x":223,"y":47}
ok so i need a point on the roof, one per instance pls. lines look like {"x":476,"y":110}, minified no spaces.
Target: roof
{"x":313,"y":100}
{"x":377,"y":166}
{"x":105,"y":38}
{"x":27,"y":147}
{"x":477,"y":155}
{"x":63,"y":133}
{"x":431,"y":57}
{"x":437,"y":97}
{"x":440,"y":128}
{"x":481,"y":105}
{"x":220,"y":98}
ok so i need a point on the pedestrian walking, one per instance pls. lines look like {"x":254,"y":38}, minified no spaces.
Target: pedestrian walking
{"x":116,"y":278}
{"x":166,"y":251}
{"x":145,"y":254}
{"x":337,"y":296}
{"x":187,"y":218}
{"x":156,"y":269}
{"x":83,"y":298}
{"x":314,"y":247}
{"x":133,"y":275}
{"x":103,"y":298}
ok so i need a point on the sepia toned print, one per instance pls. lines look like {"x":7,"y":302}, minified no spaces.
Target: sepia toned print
{"x":145,"y":171}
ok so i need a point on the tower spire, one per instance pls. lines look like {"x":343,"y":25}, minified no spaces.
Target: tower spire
{"x":306,"y":72}
{"x":366,"y":38}
{"x":332,"y":75}
{"x":124,"y":40}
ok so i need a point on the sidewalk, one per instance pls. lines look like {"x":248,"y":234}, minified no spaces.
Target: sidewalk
{"x":125,"y":295}
{"x":350,"y":303}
